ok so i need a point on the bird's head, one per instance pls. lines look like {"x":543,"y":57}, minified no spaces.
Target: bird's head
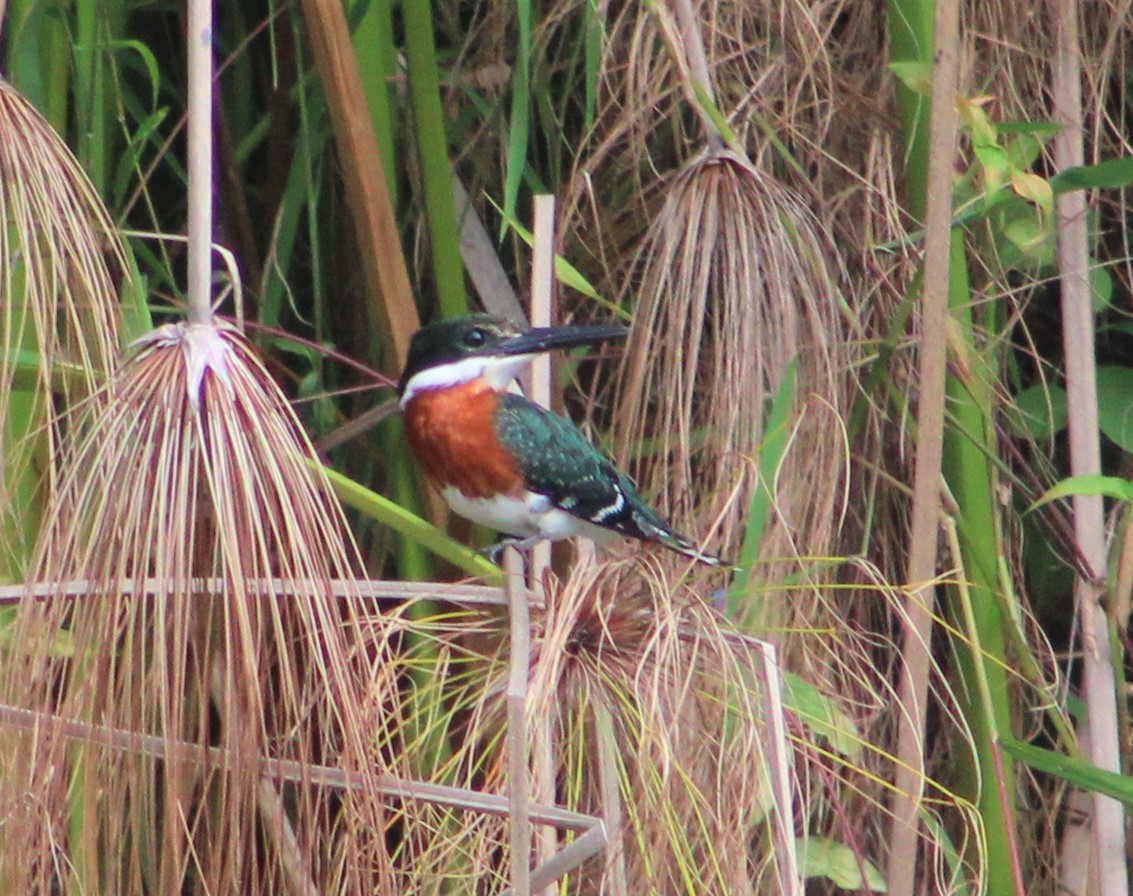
{"x":476,"y":346}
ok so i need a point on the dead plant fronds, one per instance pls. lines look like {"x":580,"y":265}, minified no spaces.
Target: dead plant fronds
{"x":638,"y":684}
{"x":736,"y":289}
{"x":60,"y":263}
{"x":192,"y":470}
{"x":61,"y":254}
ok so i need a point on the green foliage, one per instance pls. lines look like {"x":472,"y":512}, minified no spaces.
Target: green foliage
{"x":775,"y":442}
{"x":1107,"y":486}
{"x":1075,"y":771}
{"x":822,"y":857}
{"x":408,"y":524}
{"x":823,"y":715}
{"x":433,"y":151}
{"x":519,"y":122}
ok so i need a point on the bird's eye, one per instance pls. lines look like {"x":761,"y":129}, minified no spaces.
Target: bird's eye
{"x":475,"y":337}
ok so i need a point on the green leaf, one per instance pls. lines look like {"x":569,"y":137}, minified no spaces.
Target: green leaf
{"x":411,"y":526}
{"x":1023,"y":151}
{"x":149,"y":62}
{"x":1112,"y":173}
{"x":712,"y":111}
{"x":1078,"y":772}
{"x":1041,"y":412}
{"x":565,"y":272}
{"x":432,"y":151}
{"x":594,"y":29}
{"x":1044,"y":130}
{"x":823,"y":715}
{"x":1028,"y":233}
{"x":823,"y":857}
{"x":1115,"y":405}
{"x":917,"y":76}
{"x":1101,"y":288}
{"x":977,"y":122}
{"x":130,"y":161}
{"x":994,"y":164}
{"x":1106,"y":486}
{"x":1034,"y":189}
{"x":776,"y":433}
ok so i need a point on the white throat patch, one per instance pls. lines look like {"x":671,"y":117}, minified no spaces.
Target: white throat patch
{"x":498,"y":372}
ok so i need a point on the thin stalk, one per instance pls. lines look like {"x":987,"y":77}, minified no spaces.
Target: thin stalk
{"x":519,"y":659}
{"x":305,"y":773}
{"x":542,"y":300}
{"x":781,"y":772}
{"x":540,"y":388}
{"x":200,"y":171}
{"x":1078,"y":327}
{"x":913,"y":687}
{"x":700,"y":76}
{"x":199,"y":51}
{"x":609,"y":782}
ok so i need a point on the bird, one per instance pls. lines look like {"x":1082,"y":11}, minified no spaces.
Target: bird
{"x":505,"y":462}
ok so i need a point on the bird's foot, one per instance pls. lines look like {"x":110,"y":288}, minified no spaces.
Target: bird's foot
{"x":523,"y":545}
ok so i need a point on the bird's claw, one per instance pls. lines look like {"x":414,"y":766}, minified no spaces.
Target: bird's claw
{"x":523,"y":545}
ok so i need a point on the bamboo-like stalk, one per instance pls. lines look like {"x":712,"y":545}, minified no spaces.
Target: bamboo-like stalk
{"x":281,"y":771}
{"x":613,"y":814}
{"x":1108,"y":823}
{"x":700,"y":77}
{"x":519,"y":665}
{"x":199,"y":48}
{"x":540,"y":391}
{"x":969,"y":441}
{"x":913,"y":689}
{"x":201,"y":64}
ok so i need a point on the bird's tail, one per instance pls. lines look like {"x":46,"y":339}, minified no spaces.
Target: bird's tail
{"x":677,"y":542}
{"x":684,"y":546}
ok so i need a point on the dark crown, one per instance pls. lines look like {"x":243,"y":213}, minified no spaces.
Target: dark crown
{"x":450,"y":340}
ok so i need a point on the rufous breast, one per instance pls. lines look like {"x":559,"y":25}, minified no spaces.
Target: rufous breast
{"x":452,"y":433}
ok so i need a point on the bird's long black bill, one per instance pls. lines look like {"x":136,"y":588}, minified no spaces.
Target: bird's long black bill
{"x":544,"y":339}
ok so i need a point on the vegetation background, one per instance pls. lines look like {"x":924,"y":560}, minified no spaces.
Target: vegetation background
{"x":877,"y":270}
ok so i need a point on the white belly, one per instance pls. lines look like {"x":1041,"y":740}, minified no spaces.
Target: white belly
{"x":527,"y":517}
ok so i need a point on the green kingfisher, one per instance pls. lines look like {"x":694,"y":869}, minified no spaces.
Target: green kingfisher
{"x":503,"y":461}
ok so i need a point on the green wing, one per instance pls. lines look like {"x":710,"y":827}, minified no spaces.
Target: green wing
{"x":558,"y":462}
